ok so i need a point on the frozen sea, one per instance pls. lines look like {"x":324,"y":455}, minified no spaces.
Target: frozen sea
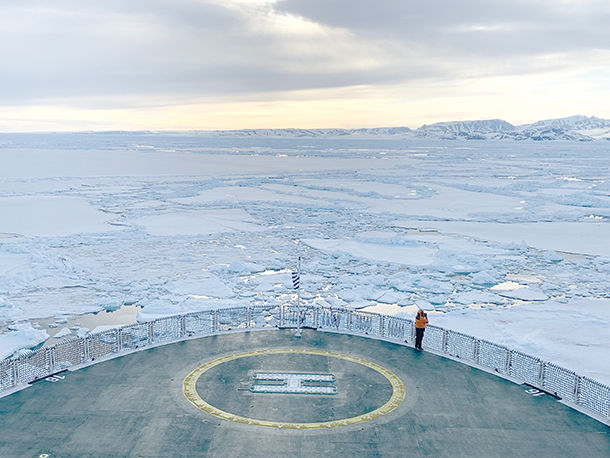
{"x":506,"y":241}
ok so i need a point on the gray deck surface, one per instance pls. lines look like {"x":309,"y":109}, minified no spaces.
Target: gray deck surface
{"x":133,"y":406}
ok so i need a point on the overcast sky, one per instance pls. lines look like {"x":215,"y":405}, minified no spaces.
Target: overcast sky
{"x":230,"y":64}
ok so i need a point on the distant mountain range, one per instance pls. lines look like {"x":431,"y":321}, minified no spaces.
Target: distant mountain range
{"x":573,"y":128}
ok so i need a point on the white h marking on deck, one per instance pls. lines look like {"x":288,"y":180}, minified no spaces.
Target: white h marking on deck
{"x":290,"y":383}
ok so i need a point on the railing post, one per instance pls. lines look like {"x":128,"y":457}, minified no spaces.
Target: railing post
{"x":116,"y":331}
{"x":413,"y":332}
{"x":119,"y":339}
{"x":381,"y":326}
{"x":182,"y":325}
{"x":51,"y":356}
{"x":476,"y":351}
{"x":507,"y":362}
{"x":151,"y":332}
{"x":541,"y":370}
{"x":281,"y":316}
{"x":349,"y":320}
{"x":16,"y":377}
{"x":248,"y":317}
{"x":85,"y":348}
{"x":576,"y":389}
{"x":215,"y":322}
{"x":316,"y":316}
{"x":444,"y":341}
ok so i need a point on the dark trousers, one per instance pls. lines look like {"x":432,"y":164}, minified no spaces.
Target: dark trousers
{"x":419,"y":335}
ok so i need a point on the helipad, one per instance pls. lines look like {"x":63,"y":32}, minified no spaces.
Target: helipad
{"x":394,"y":390}
{"x":194,"y":399}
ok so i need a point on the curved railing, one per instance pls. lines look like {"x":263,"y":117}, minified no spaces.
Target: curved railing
{"x":586,"y":394}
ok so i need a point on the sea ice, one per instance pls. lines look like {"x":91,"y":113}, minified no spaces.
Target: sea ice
{"x":503,"y":241}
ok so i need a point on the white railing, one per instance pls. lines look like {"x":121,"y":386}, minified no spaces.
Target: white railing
{"x":586,"y":394}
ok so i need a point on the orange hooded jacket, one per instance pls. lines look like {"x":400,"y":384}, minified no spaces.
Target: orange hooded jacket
{"x":421,"y":320}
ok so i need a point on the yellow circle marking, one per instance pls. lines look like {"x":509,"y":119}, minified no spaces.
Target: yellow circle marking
{"x":189,"y":390}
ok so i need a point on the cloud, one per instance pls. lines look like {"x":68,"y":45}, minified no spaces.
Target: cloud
{"x":468,"y":26}
{"x":178,"y":48}
{"x":128,"y":54}
{"x":466,"y":38}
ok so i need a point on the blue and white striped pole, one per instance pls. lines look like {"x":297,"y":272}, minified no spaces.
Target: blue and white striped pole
{"x":295,"y":280}
{"x":296,"y":283}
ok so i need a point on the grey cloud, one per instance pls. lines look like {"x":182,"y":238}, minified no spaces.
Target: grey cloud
{"x":71,"y":49}
{"x":469,"y":26}
{"x":182,"y":49}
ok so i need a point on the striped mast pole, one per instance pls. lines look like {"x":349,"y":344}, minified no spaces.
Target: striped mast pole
{"x":296,"y":280}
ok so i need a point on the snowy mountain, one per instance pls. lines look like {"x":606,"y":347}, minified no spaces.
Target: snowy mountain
{"x":470,"y":130}
{"x":378,"y":132}
{"x":543,"y":133}
{"x":571,"y":123}
{"x":573,"y":128}
{"x":590,"y":128}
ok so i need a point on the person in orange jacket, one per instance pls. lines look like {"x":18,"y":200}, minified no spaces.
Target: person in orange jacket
{"x":421,"y":320}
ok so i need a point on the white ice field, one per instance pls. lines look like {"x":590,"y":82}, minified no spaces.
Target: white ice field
{"x":506,"y":241}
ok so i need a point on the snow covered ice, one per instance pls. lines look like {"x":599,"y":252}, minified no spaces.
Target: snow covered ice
{"x":506,"y":241}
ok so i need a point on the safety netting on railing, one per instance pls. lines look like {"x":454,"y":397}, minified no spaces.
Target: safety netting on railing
{"x":460,"y":345}
{"x":69,"y":353}
{"x":166,"y":329}
{"x":559,"y":381}
{"x":7,"y":375}
{"x":295,"y":317}
{"x":232,"y":319}
{"x":199,"y":323}
{"x":265,"y":316}
{"x":366,"y":323}
{"x":134,"y":336}
{"x":493,"y":356}
{"x":397,"y":329}
{"x":593,"y":396}
{"x":434,"y":338}
{"x":102,"y":344}
{"x":525,"y":367}
{"x":29,"y":366}
{"x":34,"y":365}
{"x":333,"y":319}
